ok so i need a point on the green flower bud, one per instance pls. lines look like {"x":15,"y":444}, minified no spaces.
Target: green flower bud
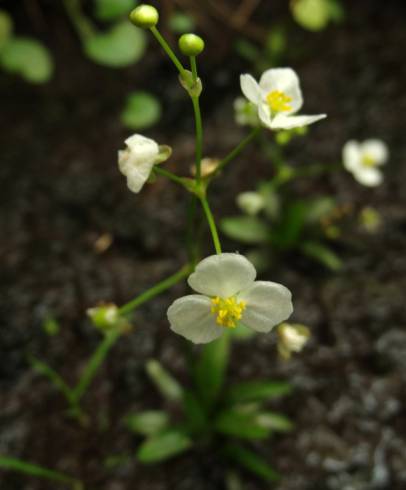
{"x":104,"y":316}
{"x":191,"y":44}
{"x":144,"y":16}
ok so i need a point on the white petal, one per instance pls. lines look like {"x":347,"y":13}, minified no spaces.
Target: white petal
{"x":368,"y":176}
{"x":268,"y":304}
{"x":250,"y":88}
{"x":264,"y":114}
{"x":289,"y":122}
{"x":352,"y":158}
{"x":137,"y":176}
{"x":145,"y":148}
{"x":376,"y":149}
{"x":286,"y":81}
{"x":222,"y":275}
{"x":190,"y":317}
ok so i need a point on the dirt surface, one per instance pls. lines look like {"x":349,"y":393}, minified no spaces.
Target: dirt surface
{"x":61,"y":191}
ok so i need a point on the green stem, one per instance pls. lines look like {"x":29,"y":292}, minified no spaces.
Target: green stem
{"x":168,"y":50}
{"x":155,"y":290}
{"x":54,"y":378}
{"x":198,"y":123}
{"x":14,"y":464}
{"x":82,"y":24}
{"x":199,"y":137}
{"x":94,"y":363}
{"x":212,"y":224}
{"x":193,"y":66}
{"x":169,"y":175}
{"x":237,"y":150}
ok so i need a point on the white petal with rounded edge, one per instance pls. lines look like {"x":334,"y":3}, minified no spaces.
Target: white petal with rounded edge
{"x":352,"y":155}
{"x":264,"y":114}
{"x":250,"y":88}
{"x":138,"y":175}
{"x":286,"y":81}
{"x":368,"y":176}
{"x":376,"y":149}
{"x":190,"y":317}
{"x":267,"y":305}
{"x":222,"y":275}
{"x":145,"y":148}
{"x":281,"y":121}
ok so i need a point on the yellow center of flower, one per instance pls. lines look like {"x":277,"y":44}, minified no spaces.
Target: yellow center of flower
{"x":278,"y":101}
{"x":368,"y":160}
{"x":228,"y":310}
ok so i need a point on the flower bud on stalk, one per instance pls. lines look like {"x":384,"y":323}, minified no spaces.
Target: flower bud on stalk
{"x":144,"y":16}
{"x":191,"y":44}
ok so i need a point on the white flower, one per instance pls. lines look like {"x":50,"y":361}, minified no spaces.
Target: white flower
{"x":137,"y":160}
{"x":363,"y":160}
{"x":277,"y":97}
{"x":250,"y":202}
{"x":292,"y":338}
{"x":228,"y":293}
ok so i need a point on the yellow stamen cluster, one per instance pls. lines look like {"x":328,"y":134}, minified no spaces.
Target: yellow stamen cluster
{"x":228,"y":310}
{"x":368,"y":160}
{"x":278,"y":101}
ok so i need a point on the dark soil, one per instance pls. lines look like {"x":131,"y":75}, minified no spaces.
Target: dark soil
{"x":61,"y":191}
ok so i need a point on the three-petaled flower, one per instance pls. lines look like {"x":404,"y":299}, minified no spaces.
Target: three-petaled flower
{"x":363,"y":160}
{"x":228,"y":294}
{"x":278,"y":97}
{"x":137,"y":160}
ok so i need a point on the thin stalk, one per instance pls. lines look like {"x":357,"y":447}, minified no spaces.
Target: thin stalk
{"x":169,"y":175}
{"x":83,"y":26}
{"x":14,"y":464}
{"x":212,"y":224}
{"x":199,"y":137}
{"x":54,"y":378}
{"x":198,"y":123}
{"x":237,"y":150}
{"x":155,"y":290}
{"x":95,"y":361}
{"x":168,"y":50}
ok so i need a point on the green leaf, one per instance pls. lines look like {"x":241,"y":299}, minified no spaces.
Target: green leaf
{"x":322,"y":254}
{"x":111,"y":9}
{"x":194,"y":411}
{"x":288,"y":232}
{"x":275,"y":421}
{"x":163,"y":446}
{"x":251,"y":462}
{"x":35,"y":470}
{"x":142,"y":110}
{"x":181,"y":23}
{"x":313,"y":15}
{"x":242,"y":424}
{"x":6,"y":28}
{"x":210,"y":369}
{"x":122,"y":45}
{"x":166,"y":384}
{"x":148,"y":423}
{"x":28,"y":58}
{"x":245,"y":229}
{"x":257,"y":391}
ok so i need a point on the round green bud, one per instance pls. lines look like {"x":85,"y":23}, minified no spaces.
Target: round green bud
{"x":144,"y":16}
{"x":191,"y":44}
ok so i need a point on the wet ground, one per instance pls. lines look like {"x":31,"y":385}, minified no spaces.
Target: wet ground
{"x":61,"y":192}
